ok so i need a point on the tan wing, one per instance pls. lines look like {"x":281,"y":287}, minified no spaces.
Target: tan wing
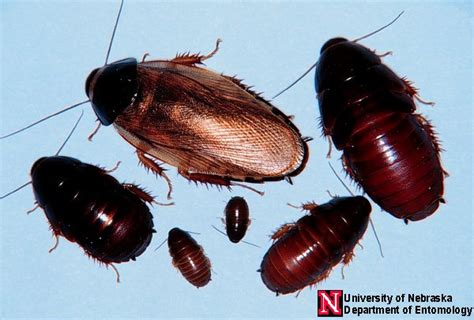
{"x":203,"y":122}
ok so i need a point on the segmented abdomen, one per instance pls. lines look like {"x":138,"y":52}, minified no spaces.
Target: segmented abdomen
{"x":113,"y":226}
{"x":308,"y":251}
{"x":188,"y":256}
{"x":394,"y":157}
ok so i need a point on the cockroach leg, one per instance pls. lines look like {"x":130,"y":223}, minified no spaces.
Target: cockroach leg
{"x":305,"y":206}
{"x":145,"y":56}
{"x":145,"y":196}
{"x":282,"y":231}
{"x":247,"y":187}
{"x":55,"y":244}
{"x":328,"y":155}
{"x":429,"y":129}
{"x":210,"y":55}
{"x":330,"y":194}
{"x":94,"y":132}
{"x":347,"y":168}
{"x":156,"y":169}
{"x":142,"y":194}
{"x":33,"y":209}
{"x":116,"y":272}
{"x":388,"y":53}
{"x":412,"y":91}
{"x":192,"y":59}
{"x":215,"y":180}
{"x":114,"y":168}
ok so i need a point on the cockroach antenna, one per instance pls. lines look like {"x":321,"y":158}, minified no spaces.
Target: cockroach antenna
{"x":370,"y":219}
{"x":43,"y":119}
{"x":57,"y":153}
{"x":380,"y":29}
{"x":113,"y":33}
{"x":77,"y":104}
{"x":315,"y":64}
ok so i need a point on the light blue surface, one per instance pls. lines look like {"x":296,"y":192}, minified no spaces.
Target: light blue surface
{"x":49,"y":48}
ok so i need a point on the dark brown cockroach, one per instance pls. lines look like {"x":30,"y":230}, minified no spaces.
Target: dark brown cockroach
{"x":236,"y":218}
{"x":189,"y":257}
{"x":211,"y":127}
{"x":369,"y":113}
{"x":305,"y":252}
{"x":84,"y":204}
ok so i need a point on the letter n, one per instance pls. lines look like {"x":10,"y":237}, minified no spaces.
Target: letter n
{"x":330,"y":303}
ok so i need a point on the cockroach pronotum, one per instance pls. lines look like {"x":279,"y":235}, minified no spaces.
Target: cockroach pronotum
{"x":304,"y":252}
{"x":189,"y":257}
{"x":211,"y":127}
{"x":86,"y":205}
{"x":369,"y":113}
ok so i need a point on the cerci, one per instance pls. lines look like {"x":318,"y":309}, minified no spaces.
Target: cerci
{"x":84,"y":204}
{"x":189,"y":257}
{"x":305,"y":252}
{"x":369,"y":113}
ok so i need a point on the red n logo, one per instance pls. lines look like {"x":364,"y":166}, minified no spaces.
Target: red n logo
{"x":330,"y":303}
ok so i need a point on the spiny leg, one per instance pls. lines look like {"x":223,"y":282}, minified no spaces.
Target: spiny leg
{"x":215,"y":180}
{"x":192,"y":59}
{"x":283,"y":230}
{"x":411,"y":90}
{"x":142,"y":194}
{"x":155,"y":168}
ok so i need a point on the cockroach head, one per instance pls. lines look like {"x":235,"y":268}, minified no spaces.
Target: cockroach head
{"x":112,"y":88}
{"x":332,"y":42}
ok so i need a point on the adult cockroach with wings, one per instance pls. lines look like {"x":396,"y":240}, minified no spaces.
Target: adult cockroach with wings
{"x":211,"y":127}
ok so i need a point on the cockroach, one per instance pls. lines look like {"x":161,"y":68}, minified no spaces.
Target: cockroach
{"x":236,"y":220}
{"x":305,"y":252}
{"x":189,"y":258}
{"x":86,"y":205}
{"x":369,"y":113}
{"x":211,"y":127}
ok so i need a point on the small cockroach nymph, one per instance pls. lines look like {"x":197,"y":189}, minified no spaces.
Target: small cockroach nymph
{"x":211,"y":127}
{"x":305,"y":252}
{"x":368,"y":112}
{"x":189,"y":258}
{"x":236,"y":220}
{"x":86,"y":205}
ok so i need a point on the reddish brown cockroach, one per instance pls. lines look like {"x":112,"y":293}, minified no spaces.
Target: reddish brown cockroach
{"x":304,"y":252}
{"x":369,"y":113}
{"x":189,"y":257}
{"x":211,"y":127}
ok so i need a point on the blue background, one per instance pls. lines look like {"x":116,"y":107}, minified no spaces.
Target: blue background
{"x":49,"y":48}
